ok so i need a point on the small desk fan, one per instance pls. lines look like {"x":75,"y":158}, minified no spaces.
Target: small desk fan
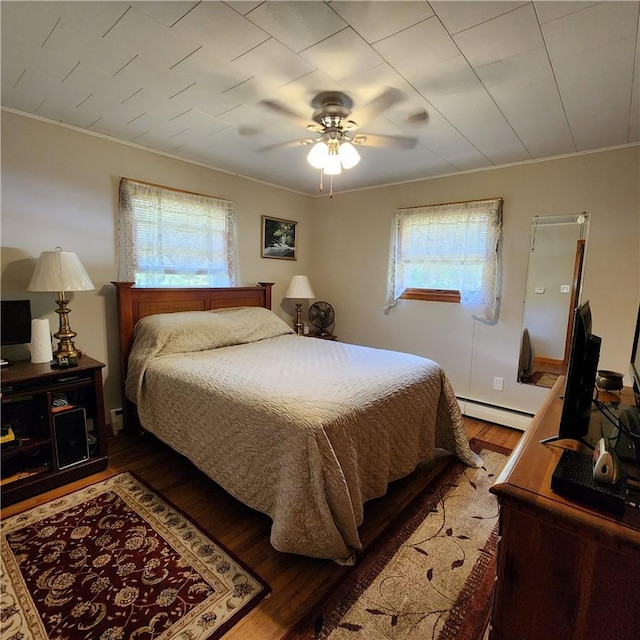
{"x":321,"y":316}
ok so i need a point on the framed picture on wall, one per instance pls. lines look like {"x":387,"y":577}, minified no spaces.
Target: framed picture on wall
{"x":279,"y":238}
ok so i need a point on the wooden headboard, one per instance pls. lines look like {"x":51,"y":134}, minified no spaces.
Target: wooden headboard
{"x":136,"y":303}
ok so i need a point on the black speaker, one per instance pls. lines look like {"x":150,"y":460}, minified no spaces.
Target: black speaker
{"x":70,"y":433}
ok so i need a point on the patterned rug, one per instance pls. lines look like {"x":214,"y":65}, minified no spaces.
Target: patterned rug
{"x":114,"y":561}
{"x":431,"y":577}
{"x":541,"y":379}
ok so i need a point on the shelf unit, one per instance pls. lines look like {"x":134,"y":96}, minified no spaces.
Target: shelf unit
{"x":29,"y":395}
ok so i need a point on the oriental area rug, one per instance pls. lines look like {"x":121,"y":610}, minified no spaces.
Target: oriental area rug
{"x":431,"y":576}
{"x":114,"y":561}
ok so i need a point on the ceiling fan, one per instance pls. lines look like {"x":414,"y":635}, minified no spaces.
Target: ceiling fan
{"x":333,"y":150}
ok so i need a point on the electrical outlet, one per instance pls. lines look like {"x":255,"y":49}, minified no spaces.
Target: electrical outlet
{"x":565,"y":288}
{"x":116,"y":420}
{"x":498,"y":383}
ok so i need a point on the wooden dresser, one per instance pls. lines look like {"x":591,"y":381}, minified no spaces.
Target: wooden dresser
{"x":565,"y":571}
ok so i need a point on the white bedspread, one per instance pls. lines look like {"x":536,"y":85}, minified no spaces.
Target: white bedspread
{"x":301,"y":429}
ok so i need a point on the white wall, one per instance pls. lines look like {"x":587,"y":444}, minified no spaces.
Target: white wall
{"x":353,"y":231}
{"x":59,"y":187}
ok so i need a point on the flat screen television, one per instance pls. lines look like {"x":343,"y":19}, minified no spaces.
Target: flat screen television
{"x":15,"y":322}
{"x":634,"y":369}
{"x":582,"y":369}
{"x":628,"y":445}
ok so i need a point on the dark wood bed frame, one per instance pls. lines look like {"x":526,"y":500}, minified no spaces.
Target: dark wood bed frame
{"x":136,"y":303}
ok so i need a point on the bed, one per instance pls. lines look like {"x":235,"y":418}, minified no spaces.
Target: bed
{"x":301,"y":429}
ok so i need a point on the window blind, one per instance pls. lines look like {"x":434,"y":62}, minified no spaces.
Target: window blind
{"x":454,"y":247}
{"x":170,"y":238}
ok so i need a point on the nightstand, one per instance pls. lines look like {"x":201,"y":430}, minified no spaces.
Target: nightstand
{"x":57,"y":419}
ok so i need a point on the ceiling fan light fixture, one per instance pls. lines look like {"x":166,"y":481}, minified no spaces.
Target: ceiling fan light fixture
{"x":318,"y":155}
{"x":334,"y":150}
{"x":349,"y":157}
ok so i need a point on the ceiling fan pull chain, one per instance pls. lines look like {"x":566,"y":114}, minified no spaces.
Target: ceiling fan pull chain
{"x":321,"y":185}
{"x":331,"y":187}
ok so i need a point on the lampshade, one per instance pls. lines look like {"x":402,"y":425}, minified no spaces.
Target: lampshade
{"x":59,"y":271}
{"x":349,"y":157}
{"x":332,"y":165}
{"x":300,"y":288}
{"x":318,"y":155}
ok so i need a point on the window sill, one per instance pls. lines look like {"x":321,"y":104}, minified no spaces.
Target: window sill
{"x":433,"y":295}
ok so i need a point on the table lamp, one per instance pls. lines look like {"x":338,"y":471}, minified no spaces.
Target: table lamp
{"x":61,"y":271}
{"x":299,"y":289}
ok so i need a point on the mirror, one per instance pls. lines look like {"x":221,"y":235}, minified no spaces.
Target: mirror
{"x":554,"y":275}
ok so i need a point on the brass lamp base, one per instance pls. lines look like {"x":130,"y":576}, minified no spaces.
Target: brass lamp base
{"x":66,"y":355}
{"x":61,"y":360}
{"x":298,"y":325}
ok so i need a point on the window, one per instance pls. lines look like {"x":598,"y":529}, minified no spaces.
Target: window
{"x":171,"y":238}
{"x":448,"y":248}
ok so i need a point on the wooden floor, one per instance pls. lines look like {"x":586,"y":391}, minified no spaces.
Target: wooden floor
{"x":297,"y":583}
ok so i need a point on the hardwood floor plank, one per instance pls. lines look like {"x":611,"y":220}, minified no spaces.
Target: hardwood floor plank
{"x":297,"y":582}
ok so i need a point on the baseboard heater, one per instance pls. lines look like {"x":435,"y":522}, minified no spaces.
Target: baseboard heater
{"x":492,"y":413}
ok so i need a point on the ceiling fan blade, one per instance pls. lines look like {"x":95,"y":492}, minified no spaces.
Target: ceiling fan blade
{"x":287,"y":145}
{"x":375,"y":107}
{"x":248,"y":130}
{"x":282,"y":110}
{"x":375,"y":140}
{"x":418,"y":118}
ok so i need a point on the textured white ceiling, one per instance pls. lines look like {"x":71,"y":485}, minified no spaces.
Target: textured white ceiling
{"x":502,"y":82}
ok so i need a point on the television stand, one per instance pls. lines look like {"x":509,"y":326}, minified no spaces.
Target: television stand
{"x":565,"y":570}
{"x":40,"y":449}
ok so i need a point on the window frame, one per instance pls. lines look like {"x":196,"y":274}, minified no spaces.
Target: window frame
{"x":431,"y":295}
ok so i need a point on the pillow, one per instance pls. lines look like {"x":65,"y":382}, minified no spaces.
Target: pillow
{"x":188,"y":331}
